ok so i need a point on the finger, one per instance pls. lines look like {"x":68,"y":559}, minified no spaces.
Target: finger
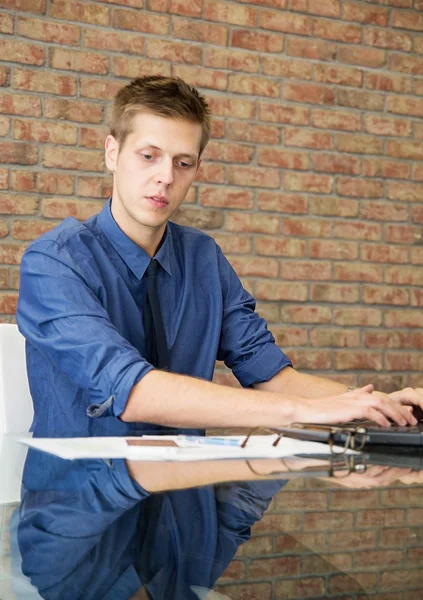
{"x":396,"y":412}
{"x":366,"y":389}
{"x":376,"y":416}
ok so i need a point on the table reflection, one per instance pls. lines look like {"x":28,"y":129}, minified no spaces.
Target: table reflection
{"x":117,"y":530}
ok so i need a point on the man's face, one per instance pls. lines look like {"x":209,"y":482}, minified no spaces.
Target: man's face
{"x":153,"y":172}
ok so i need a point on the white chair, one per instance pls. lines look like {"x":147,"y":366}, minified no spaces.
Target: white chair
{"x":16,"y":411}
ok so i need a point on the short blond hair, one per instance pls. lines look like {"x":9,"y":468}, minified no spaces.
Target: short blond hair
{"x":167,"y":97}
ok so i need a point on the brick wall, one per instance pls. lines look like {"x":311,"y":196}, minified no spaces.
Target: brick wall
{"x":312,"y":183}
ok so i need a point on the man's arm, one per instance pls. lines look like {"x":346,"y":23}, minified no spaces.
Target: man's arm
{"x":290,"y":381}
{"x":182,"y":401}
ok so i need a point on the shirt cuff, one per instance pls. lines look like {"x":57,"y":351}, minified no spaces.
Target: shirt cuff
{"x":264,"y":365}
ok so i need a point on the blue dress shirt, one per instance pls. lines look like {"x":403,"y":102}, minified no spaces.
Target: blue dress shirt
{"x":81,"y":311}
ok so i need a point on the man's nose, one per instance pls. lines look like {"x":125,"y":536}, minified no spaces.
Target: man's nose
{"x":165,"y":174}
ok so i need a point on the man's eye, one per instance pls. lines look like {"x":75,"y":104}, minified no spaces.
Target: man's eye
{"x":184,"y":165}
{"x":147,"y":156}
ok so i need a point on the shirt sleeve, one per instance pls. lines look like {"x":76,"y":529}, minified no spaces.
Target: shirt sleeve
{"x":246,"y":345}
{"x":63,"y":318}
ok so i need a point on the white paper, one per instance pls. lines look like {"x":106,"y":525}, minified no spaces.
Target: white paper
{"x":117,"y":447}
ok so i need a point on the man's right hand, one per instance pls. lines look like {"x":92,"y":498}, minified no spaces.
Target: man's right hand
{"x":360,"y":403}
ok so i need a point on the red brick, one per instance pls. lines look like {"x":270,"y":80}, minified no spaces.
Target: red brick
{"x":357,"y":231}
{"x":308,"y":182}
{"x":20,"y":104}
{"x":94,"y":187}
{"x":418,"y":87}
{"x":75,"y":60}
{"x":308,"y":93}
{"x":364,"y":317}
{"x":175,"y":51}
{"x":276,"y":113}
{"x":359,"y":188}
{"x":366,"y":57}
{"x":307,"y":139}
{"x":327,"y":8}
{"x":335,"y":338}
{"x":405,"y":19}
{"x":376,"y":167}
{"x":404,"y":318}
{"x":383,"y":211}
{"x":247,"y":266}
{"x":342,"y":32}
{"x":385,"y":295}
{"x":34,"y":6}
{"x":393,"y":40}
{"x":227,"y":152}
{"x":335,"y":120}
{"x":8,"y":303}
{"x":286,"y":22}
{"x":254,"y":176}
{"x":335,"y":163}
{"x":21,"y":52}
{"x":211,"y":173}
{"x":409,"y":106}
{"x":289,"y":336}
{"x":201,"y":78}
{"x":279,"y":290}
{"x":6,"y":23}
{"x":18,"y":153}
{"x":80,"y":11}
{"x":306,"y":587}
{"x":226,"y":198}
{"x":358,"y":272}
{"x":4,"y":179}
{"x":312,"y":49}
{"x":11,"y":254}
{"x":366,"y":14}
{"x":359,"y":99}
{"x":363,"y":144}
{"x":18,"y":204}
{"x":307,"y":270}
{"x":62,"y":158}
{"x":306,"y":314}
{"x":232,"y":244}
{"x":311,"y":359}
{"x":234,"y":571}
{"x":283,"y":4}
{"x":417,"y":256}
{"x":72,"y":110}
{"x":199,"y":31}
{"x":4,"y":76}
{"x":334,"y":293}
{"x":218,"y":127}
{"x":31,"y":229}
{"x":91,"y":137}
{"x":138,"y":20}
{"x":43,"y":81}
{"x":246,"y":132}
{"x":55,"y":133}
{"x":117,"y":41}
{"x":255,"y":86}
{"x":338,"y":75}
{"x":258,"y":41}
{"x":4,"y":126}
{"x":254,"y":223}
{"x":59,"y":208}
{"x":279,"y":157}
{"x":337,"y":207}
{"x":384,"y":339}
{"x":405,"y":191}
{"x":327,"y":521}
{"x":339,"y":584}
{"x":247,"y":591}
{"x":299,"y":226}
{"x":131,"y":3}
{"x":333,"y":249}
{"x":384,"y":253}
{"x":269,"y":246}
{"x":193,"y":9}
{"x":48,"y":31}
{"x":410,"y":150}
{"x":99,"y":89}
{"x":266,"y":567}
{"x":228,"y":107}
{"x":388,"y":82}
{"x":417,"y":214}
{"x":403,"y":275}
{"x":229,"y":12}
{"x":406,"y":64}
{"x":403,"y":234}
{"x":286,"y":68}
{"x":387,"y":126}
{"x":280,"y":202}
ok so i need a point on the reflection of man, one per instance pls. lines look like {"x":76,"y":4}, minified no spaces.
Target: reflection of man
{"x":94,"y":339}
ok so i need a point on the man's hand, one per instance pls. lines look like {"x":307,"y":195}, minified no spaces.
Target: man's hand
{"x":408,"y":396}
{"x":361,"y":403}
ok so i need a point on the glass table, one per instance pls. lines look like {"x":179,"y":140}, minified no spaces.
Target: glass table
{"x":263,"y":529}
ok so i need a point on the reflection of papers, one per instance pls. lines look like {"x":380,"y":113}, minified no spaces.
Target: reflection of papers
{"x":174,"y":448}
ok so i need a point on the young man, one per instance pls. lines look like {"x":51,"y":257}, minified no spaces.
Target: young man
{"x":94,"y":339}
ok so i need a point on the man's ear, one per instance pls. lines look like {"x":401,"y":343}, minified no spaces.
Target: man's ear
{"x":111,"y":148}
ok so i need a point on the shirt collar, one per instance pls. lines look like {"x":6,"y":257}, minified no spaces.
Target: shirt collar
{"x":134,"y":256}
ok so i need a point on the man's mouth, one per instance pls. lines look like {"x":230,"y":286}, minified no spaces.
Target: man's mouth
{"x":159,"y":200}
